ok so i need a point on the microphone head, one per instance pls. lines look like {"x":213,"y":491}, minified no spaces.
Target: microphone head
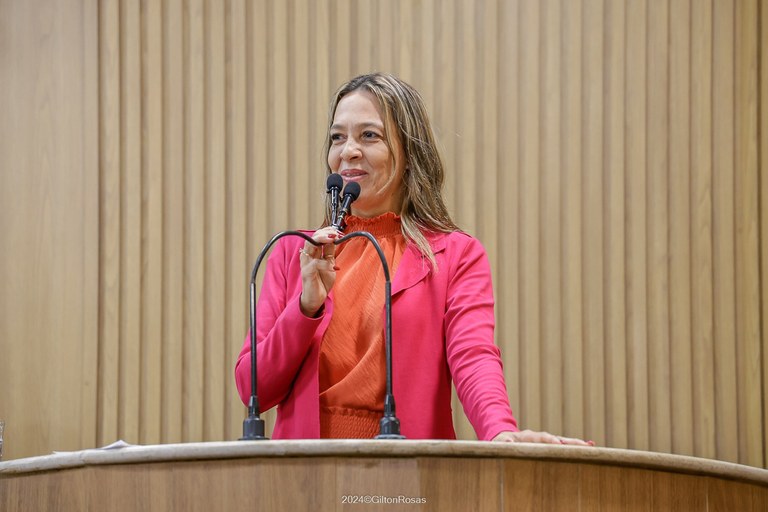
{"x":352,"y":189}
{"x":334,"y":181}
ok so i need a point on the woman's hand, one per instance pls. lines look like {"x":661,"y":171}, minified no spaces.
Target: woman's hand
{"x":318,"y":270}
{"x":530,"y":436}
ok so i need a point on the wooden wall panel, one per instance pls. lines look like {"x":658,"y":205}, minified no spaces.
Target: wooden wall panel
{"x":49,"y":218}
{"x":608,"y":154}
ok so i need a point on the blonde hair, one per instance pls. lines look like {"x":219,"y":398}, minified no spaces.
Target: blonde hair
{"x":422,"y":208}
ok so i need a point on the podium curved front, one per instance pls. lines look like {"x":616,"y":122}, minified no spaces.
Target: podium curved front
{"x":376,"y":475}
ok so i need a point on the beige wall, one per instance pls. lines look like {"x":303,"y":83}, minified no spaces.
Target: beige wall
{"x":608,"y":155}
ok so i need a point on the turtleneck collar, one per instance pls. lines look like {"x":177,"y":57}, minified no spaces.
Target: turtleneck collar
{"x":386,"y":224}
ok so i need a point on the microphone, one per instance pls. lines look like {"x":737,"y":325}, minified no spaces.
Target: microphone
{"x":334,"y":184}
{"x":351,"y":193}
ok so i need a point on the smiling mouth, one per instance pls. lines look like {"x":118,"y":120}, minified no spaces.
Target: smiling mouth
{"x":352,"y":174}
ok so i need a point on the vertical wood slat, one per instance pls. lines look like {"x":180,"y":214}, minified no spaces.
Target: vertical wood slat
{"x":195,"y":210}
{"x":508,"y":233}
{"x":363,"y":26}
{"x":701,"y":232}
{"x":109,"y":200}
{"x":746,"y":104}
{"x":614,"y":179}
{"x":260,"y":132}
{"x":635,"y":169}
{"x":258,"y":128}
{"x":278,"y":115}
{"x":657,"y":208}
{"x":130,"y":225}
{"x":467,"y":127}
{"x":236,"y":233}
{"x":151,"y":409}
{"x":304,"y":164}
{"x":592,"y":230}
{"x":485,"y":199}
{"x":173,"y":215}
{"x":404,"y":16}
{"x":216,"y":368}
{"x":529,"y":161}
{"x":763,"y":167}
{"x":549,"y":207}
{"x":572,"y":341}
{"x":321,"y":89}
{"x":446,"y":93}
{"x":680,"y":296}
{"x":726,"y":408}
{"x":89,"y":414}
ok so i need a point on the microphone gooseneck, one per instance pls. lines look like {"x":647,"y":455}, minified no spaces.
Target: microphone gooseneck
{"x":333,"y":186}
{"x":253,"y":425}
{"x":351,"y":193}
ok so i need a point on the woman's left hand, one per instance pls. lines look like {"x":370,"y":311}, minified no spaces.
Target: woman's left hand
{"x":530,"y":436}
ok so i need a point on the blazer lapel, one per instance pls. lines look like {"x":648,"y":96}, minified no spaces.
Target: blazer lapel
{"x":413,"y":266}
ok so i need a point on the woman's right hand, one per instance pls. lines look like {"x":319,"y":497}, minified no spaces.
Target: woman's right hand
{"x":318,"y":270}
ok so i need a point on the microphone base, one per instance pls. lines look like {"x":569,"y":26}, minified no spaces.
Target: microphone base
{"x":253,"y":430}
{"x":389,"y":428}
{"x":390,"y":436}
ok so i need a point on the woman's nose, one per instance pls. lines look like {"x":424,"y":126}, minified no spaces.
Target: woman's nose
{"x":351,"y":150}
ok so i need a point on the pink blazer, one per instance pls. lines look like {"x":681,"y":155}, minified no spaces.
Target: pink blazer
{"x":442,"y":329}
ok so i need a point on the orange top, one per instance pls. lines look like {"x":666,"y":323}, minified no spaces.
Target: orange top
{"x":352,"y":356}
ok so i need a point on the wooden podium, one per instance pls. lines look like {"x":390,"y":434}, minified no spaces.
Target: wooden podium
{"x":376,"y":475}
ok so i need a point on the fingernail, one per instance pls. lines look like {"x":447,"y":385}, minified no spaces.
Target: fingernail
{"x":336,"y":268}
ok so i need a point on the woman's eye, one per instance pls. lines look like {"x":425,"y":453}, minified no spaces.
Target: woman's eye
{"x":335,"y":137}
{"x":370,"y":135}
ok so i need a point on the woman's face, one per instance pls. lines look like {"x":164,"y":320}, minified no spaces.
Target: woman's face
{"x":359,"y":152}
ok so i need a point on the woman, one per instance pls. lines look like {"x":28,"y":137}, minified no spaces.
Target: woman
{"x":320,"y":313}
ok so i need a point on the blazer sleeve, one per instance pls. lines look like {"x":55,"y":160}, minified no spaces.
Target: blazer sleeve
{"x":473,"y":358}
{"x":283,"y":333}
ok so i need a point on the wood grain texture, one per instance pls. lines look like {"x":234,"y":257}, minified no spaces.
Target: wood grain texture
{"x":609,"y":155}
{"x":49,"y":197}
{"x":368,"y":482}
